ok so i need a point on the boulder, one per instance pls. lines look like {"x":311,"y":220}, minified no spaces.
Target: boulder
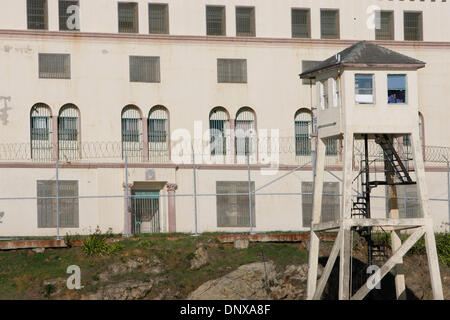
{"x":200,"y":259}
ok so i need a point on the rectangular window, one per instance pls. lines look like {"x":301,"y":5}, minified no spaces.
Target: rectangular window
{"x":215,"y":21}
{"x":69,"y":15}
{"x":54,"y":66}
{"x":245,"y":22}
{"x":145,"y":69}
{"x":324,"y":94}
{"x":329,"y":24}
{"x":231,"y":70}
{"x":128,"y":17}
{"x":331,"y":147}
{"x":68,"y":207}
{"x":330,"y":202}
{"x":385,"y":29}
{"x":232,"y":200}
{"x":396,"y":88}
{"x":157,"y":130}
{"x":37,"y":16}
{"x":68,"y":129}
{"x":302,"y":139}
{"x":407,"y":202}
{"x":301,"y":23}
{"x":158,"y":17}
{"x":413,"y":26}
{"x":364,"y":88}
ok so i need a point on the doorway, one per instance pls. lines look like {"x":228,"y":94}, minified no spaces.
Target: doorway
{"x":145,"y":211}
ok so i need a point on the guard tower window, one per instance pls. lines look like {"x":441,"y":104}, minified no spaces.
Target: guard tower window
{"x":301,"y":23}
{"x":128,"y":17}
{"x":396,"y":88}
{"x":245,"y":22}
{"x":413,"y":26}
{"x":37,"y":15}
{"x":215,"y":21}
{"x":329,"y":24}
{"x":364,"y":88}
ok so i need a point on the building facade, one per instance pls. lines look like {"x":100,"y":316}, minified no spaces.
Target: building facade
{"x":121,"y":92}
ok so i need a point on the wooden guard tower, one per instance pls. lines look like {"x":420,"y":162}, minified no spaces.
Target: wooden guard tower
{"x":367,"y":96}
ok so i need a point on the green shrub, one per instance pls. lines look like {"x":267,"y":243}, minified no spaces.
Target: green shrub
{"x":96,"y":245}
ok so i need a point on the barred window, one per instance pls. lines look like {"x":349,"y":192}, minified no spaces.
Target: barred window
{"x":40,"y":133}
{"x":329,"y":24}
{"x":232,"y":202}
{"x":68,"y":207}
{"x":54,"y":66}
{"x":132,"y":142}
{"x":68,"y":128}
{"x":413,"y":26}
{"x":301,"y":23}
{"x":385,"y":30}
{"x":232,"y":70}
{"x":330,"y":202}
{"x":158,"y":17}
{"x":144,"y":69}
{"x":157,"y":125}
{"x":407,"y":202}
{"x":331,"y":147}
{"x":219,"y":124}
{"x":69,"y":15}
{"x":245,"y":22}
{"x":215,"y":21}
{"x":37,"y":16}
{"x":128,"y":17}
{"x":245,"y":136}
{"x":303,"y":130}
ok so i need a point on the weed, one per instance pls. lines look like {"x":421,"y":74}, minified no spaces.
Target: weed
{"x":96,"y":245}
{"x":48,"y":290}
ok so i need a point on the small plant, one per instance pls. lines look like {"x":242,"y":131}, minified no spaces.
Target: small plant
{"x":96,"y":245}
{"x":48,"y":290}
{"x":146,"y":244}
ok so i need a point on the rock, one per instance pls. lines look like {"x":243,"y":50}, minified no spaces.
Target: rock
{"x":125,"y":290}
{"x":200,"y":259}
{"x":145,"y":265}
{"x":53,"y":287}
{"x":38,"y":250}
{"x":241,"y":243}
{"x":295,"y":272}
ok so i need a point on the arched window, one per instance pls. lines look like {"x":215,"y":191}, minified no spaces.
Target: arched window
{"x":219,"y":125}
{"x":68,"y":133}
{"x":158,"y":134}
{"x":132,"y":133}
{"x":40,"y":132}
{"x":303,"y":130}
{"x":245,"y":132}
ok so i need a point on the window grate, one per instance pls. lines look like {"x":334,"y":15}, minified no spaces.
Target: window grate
{"x":145,"y":69}
{"x":330,"y":202}
{"x":128,"y":17}
{"x":329,"y":24}
{"x":231,"y":70}
{"x":54,"y":66}
{"x":386,"y":27}
{"x":37,"y":14}
{"x":215,"y":21}
{"x":68,"y":129}
{"x":132,"y":142}
{"x":67,"y":20}
{"x":301,"y":25}
{"x":245,"y":22}
{"x":158,"y":17}
{"x":219,"y":126}
{"x":40,"y":133}
{"x":413,"y":26}
{"x":233,"y":209}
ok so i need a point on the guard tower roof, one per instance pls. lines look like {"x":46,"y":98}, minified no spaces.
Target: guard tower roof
{"x":364,"y":54}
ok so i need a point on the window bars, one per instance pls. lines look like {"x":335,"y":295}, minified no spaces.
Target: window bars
{"x":215,"y":21}
{"x":66,"y":15}
{"x":128,"y":17}
{"x":219,"y":126}
{"x":301,"y":23}
{"x":158,"y":135}
{"x":231,"y":70}
{"x":245,"y":22}
{"x":158,"y":18}
{"x":145,"y":69}
{"x":303,"y":130}
{"x":41,"y":128}
{"x":329,"y":24}
{"x":68,"y":133}
{"x":37,"y":16}
{"x":330,"y":202}
{"x":413,"y":26}
{"x":245,"y":140}
{"x":233,"y":204}
{"x":132,"y":144}
{"x":145,"y":214}
{"x":54,"y":66}
{"x":386,"y":27}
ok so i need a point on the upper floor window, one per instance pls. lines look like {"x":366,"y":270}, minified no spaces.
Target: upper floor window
{"x":413,"y":26}
{"x":158,"y":18}
{"x":54,"y":66}
{"x":69,"y":15}
{"x":232,"y":70}
{"x":329,"y":23}
{"x":215,"y":21}
{"x":303,"y":130}
{"x":301,"y":23}
{"x":37,"y":15}
{"x":396,"y":88}
{"x":128,"y":17}
{"x":245,"y":22}
{"x":219,"y":126}
{"x":132,"y":140}
{"x":385,"y":29}
{"x":144,"y":69}
{"x":68,"y":133}
{"x":245,"y":135}
{"x":364,"y":88}
{"x":158,"y":134}
{"x":40,"y":132}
